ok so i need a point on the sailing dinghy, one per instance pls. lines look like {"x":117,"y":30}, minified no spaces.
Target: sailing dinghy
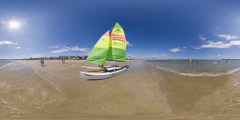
{"x":111,"y":46}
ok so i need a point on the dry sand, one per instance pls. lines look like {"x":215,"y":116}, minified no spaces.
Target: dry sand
{"x":133,"y":94}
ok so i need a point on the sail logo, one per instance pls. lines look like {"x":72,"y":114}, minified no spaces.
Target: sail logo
{"x":117,"y":30}
{"x":95,"y":58}
{"x":118,"y":39}
{"x":116,"y":57}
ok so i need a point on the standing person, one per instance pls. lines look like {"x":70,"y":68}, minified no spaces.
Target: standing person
{"x":62,"y":61}
{"x":41,"y":61}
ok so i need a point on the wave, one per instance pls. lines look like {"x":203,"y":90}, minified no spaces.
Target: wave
{"x":6,"y":65}
{"x":56,"y":87}
{"x":198,"y":74}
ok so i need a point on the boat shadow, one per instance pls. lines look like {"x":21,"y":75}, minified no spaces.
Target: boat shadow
{"x":126,"y":66}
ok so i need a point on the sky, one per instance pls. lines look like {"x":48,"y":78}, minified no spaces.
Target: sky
{"x":154,"y":29}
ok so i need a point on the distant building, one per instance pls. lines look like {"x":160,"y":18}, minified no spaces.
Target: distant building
{"x":74,"y":58}
{"x":64,"y":57}
{"x":44,"y":57}
{"x":53,"y":58}
{"x":84,"y":57}
{"x":35,"y":58}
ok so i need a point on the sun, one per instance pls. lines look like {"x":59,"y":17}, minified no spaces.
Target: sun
{"x":14,"y":24}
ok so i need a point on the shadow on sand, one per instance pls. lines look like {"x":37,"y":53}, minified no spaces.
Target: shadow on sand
{"x":126,"y":66}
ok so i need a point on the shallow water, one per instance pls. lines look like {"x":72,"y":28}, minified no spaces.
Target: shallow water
{"x":208,"y":92}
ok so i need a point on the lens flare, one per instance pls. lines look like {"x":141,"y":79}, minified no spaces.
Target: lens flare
{"x":14,"y":25}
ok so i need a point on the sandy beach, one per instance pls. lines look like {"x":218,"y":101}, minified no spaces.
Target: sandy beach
{"x":58,"y":91}
{"x":144,"y":91}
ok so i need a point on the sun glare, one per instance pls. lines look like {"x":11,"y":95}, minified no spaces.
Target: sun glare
{"x":14,"y":25}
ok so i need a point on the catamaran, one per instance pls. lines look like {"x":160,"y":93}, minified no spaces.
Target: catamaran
{"x":111,"y":46}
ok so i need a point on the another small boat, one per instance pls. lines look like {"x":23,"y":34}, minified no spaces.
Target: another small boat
{"x":192,"y":60}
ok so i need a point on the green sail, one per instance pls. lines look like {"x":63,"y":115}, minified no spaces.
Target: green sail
{"x":99,"y":52}
{"x":117,"y":44}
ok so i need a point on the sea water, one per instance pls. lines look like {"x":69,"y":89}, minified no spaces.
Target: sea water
{"x":199,"y":90}
{"x":4,"y":63}
{"x":213,"y":67}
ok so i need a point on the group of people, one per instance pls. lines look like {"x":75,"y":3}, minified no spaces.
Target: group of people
{"x":63,"y":61}
{"x":42,"y":62}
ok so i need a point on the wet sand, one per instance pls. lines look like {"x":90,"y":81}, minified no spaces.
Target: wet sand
{"x":62,"y":92}
{"x":58,"y":91}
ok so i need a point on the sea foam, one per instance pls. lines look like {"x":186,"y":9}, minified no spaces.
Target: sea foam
{"x":197,"y":74}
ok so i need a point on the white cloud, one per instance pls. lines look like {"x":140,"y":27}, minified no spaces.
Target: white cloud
{"x":61,"y":50}
{"x":55,"y":46}
{"x":201,"y":37}
{"x":128,"y":44}
{"x":212,"y":44}
{"x":79,"y":49}
{"x":184,"y":47}
{"x":177,"y":50}
{"x":76,"y":48}
{"x":219,"y":55}
{"x":228,"y":37}
{"x":166,"y":56}
{"x":17,"y":47}
{"x":7,"y":42}
{"x":129,"y":55}
{"x":235,"y":42}
{"x":155,"y":56}
{"x":29,"y":49}
{"x":85,"y":53}
{"x":37,"y":55}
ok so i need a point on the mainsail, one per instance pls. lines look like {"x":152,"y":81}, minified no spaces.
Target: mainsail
{"x":99,"y":52}
{"x":117,"y":44}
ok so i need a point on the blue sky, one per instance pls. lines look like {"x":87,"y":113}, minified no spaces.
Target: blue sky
{"x":154,"y":29}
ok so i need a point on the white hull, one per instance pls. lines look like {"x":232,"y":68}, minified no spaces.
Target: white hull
{"x":102,"y":75}
{"x":92,"y":68}
{"x":108,"y":68}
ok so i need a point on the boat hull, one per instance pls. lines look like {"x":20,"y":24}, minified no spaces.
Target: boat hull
{"x":107,"y":68}
{"x":92,"y":68}
{"x":102,"y":75}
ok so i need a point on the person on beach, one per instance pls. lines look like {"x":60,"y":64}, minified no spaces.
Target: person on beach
{"x":42,"y":62}
{"x":218,"y":62}
{"x":63,"y":61}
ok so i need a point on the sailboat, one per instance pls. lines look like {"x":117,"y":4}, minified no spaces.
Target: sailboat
{"x":111,"y":46}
